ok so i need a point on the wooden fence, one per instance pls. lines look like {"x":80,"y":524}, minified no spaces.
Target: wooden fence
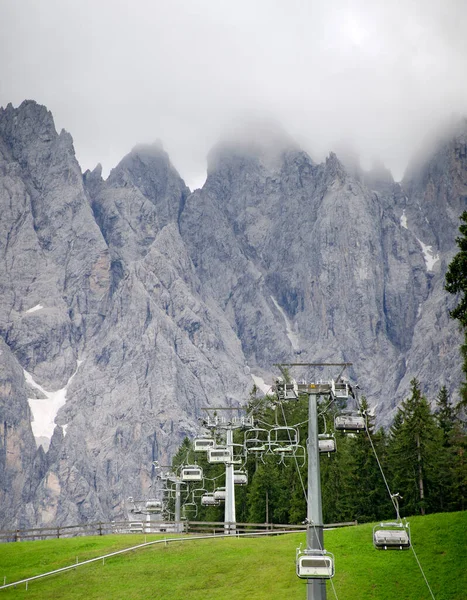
{"x":145,"y":527}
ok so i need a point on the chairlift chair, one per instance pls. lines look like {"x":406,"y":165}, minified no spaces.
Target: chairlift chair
{"x":202,"y":444}
{"x":192,"y":473}
{"x":340,"y":390}
{"x":283,"y":440}
{"x":256,"y":440}
{"x":391,"y":536}
{"x":315,"y":564}
{"x":153,"y":506}
{"x":189,"y":509}
{"x":219,"y":494}
{"x":219,"y":454}
{"x":208,"y":499}
{"x":326,"y":443}
{"x":240,"y":477}
{"x":349,"y":422}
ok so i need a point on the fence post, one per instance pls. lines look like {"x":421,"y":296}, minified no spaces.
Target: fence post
{"x":58,"y":533}
{"x":100,"y":528}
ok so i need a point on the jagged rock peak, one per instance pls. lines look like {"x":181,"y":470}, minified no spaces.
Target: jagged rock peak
{"x":258,"y":140}
{"x":25,"y":123}
{"x":334,"y":166}
{"x":146,"y":165}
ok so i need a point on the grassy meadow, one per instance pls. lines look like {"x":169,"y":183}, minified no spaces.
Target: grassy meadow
{"x":258,"y":568}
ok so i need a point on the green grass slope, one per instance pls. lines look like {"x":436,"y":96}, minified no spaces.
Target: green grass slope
{"x":259,"y":568}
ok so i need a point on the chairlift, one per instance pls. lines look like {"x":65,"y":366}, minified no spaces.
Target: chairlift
{"x":391,"y":536}
{"x":192,"y":473}
{"x":285,"y":390}
{"x":208,"y":499}
{"x":349,"y":422}
{"x":315,"y":564}
{"x":240,"y":477}
{"x":219,"y":494}
{"x":153,"y":506}
{"x":256,"y":440}
{"x":283,"y":440}
{"x":326,"y":443}
{"x":189,"y":509}
{"x":340,"y":390}
{"x":238,"y":454}
{"x":219,"y":454}
{"x":202,"y":444}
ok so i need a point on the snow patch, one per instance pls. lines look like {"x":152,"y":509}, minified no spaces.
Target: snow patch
{"x":261,"y":384}
{"x":430,"y":257}
{"x":293,"y":337}
{"x":404,"y":220}
{"x":34,"y":308}
{"x":45,"y":410}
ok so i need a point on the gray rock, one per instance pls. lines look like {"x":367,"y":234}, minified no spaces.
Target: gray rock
{"x":143,"y":303}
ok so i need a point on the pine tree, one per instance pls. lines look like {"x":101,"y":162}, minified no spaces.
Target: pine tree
{"x":369,"y":497}
{"x":414,"y":452}
{"x":453,"y":474}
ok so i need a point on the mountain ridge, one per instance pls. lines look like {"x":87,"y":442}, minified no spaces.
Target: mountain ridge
{"x":146,"y":302}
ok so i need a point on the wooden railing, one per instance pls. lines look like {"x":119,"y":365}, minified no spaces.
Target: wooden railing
{"x":144,"y":527}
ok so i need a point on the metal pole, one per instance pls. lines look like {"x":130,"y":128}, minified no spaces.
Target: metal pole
{"x":177,"y":505}
{"x":229,"y":515}
{"x":316,"y":588}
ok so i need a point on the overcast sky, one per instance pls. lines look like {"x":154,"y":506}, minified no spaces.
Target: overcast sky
{"x":376,"y":74}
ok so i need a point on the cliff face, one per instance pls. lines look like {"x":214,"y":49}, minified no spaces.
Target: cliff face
{"x":129,"y":304}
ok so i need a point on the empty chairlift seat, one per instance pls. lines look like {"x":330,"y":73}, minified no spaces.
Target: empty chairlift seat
{"x":326,"y":443}
{"x":256,"y":440}
{"x":192,"y":473}
{"x":315,"y":564}
{"x":203,"y":444}
{"x":391,"y":536}
{"x":351,"y":422}
{"x":208,"y":499}
{"x":283,"y":439}
{"x":340,"y":390}
{"x":240,"y":477}
{"x":219,"y":454}
{"x":219,"y":494}
{"x":153,"y":506}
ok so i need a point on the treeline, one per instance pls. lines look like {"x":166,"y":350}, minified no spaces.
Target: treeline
{"x":422,"y":456}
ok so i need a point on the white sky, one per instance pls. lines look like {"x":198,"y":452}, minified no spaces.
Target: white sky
{"x":376,"y":74}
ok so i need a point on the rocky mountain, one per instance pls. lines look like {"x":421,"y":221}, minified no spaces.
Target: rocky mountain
{"x":129,"y":304}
